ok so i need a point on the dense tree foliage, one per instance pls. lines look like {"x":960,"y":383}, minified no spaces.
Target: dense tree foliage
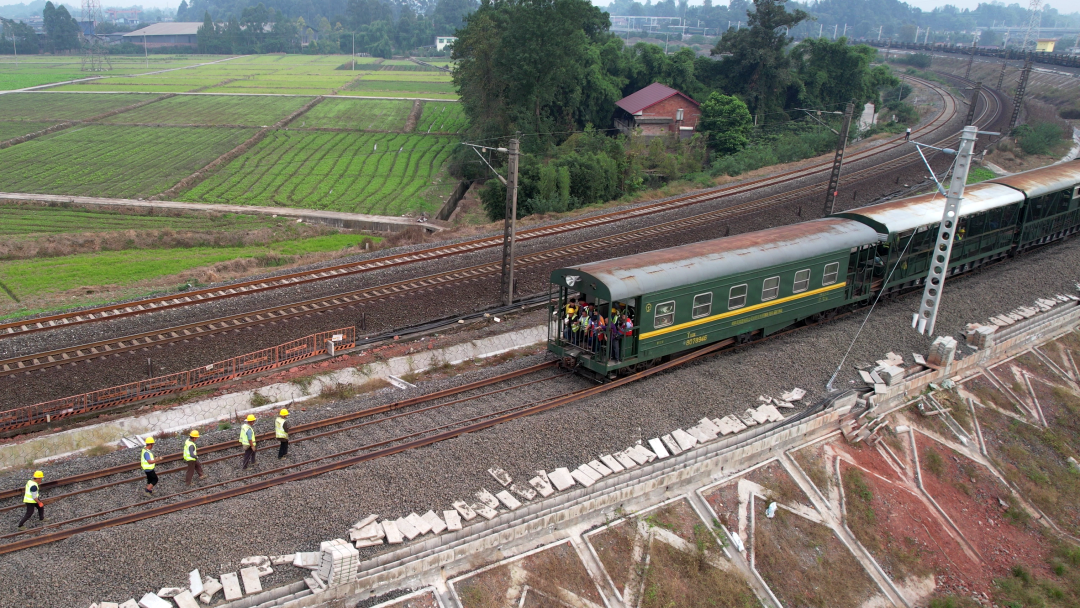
{"x":832,"y":71}
{"x":726,"y":122}
{"x":61,"y":29}
{"x":258,"y":30}
{"x":17,"y":38}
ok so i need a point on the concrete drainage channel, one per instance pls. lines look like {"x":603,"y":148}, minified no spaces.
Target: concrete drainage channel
{"x":515,"y":535}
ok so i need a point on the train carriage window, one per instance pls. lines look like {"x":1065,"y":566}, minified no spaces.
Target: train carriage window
{"x":770,"y":288}
{"x":702,"y":305}
{"x":736,"y":297}
{"x":665,"y":314}
{"x":802,"y":281}
{"x":831,"y":270}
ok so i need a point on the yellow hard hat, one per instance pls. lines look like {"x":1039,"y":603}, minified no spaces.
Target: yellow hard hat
{"x":149,"y":440}
{"x":195,"y":434}
{"x":38,"y":475}
{"x":284,"y":413}
{"x":251,"y":418}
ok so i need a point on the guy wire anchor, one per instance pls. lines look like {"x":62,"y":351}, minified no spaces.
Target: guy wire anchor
{"x":924,"y":320}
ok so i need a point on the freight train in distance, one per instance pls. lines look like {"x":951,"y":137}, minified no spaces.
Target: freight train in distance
{"x":744,"y":287}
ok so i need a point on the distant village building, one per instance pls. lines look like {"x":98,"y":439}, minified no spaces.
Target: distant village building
{"x":657,"y":110}
{"x":177,"y":33}
{"x":1045,"y":45}
{"x":441,"y":42}
{"x":128,"y":16}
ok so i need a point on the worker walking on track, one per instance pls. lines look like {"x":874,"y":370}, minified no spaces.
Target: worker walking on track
{"x":247,"y":439}
{"x":148,"y":463}
{"x":32,"y":499}
{"x":281,"y":431}
{"x":191,"y":456}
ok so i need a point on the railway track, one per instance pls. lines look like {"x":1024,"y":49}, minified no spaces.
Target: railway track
{"x":193,"y":297}
{"x":165,"y":504}
{"x":53,"y":358}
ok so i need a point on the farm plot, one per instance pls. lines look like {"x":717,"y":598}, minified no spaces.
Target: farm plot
{"x":213,"y":110}
{"x":30,"y":221}
{"x":394,"y":88}
{"x":100,"y":160}
{"x":439,"y":117}
{"x":385,"y":174}
{"x":13,"y":129}
{"x":58,"y":107}
{"x":407,"y":76}
{"x":359,"y":114}
{"x":123,"y":85}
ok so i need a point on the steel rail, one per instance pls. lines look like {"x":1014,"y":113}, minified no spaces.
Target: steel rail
{"x":343,"y":418}
{"x":188,"y":298}
{"x":389,"y":450}
{"x":94,"y":350}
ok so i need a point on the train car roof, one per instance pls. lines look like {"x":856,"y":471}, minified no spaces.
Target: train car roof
{"x":644,"y":273}
{"x":909,"y":213}
{"x":1038,"y":182}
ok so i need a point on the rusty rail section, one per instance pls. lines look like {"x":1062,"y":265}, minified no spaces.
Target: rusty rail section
{"x":300,"y":428}
{"x":367,"y":453}
{"x":250,"y":363}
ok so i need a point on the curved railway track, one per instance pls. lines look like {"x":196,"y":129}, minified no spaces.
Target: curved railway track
{"x":53,"y":358}
{"x":188,"y":298}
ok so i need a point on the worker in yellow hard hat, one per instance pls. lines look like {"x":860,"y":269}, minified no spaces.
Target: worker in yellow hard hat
{"x":32,"y":499}
{"x":281,"y":431}
{"x":191,"y":456}
{"x":247,"y":439}
{"x":148,"y":463}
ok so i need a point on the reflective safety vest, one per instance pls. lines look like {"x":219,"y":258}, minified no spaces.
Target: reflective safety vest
{"x":247,"y":435}
{"x":190,"y":454}
{"x":31,"y":494}
{"x":146,"y":456}
{"x":279,"y":428}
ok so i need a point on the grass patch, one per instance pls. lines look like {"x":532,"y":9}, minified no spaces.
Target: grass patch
{"x":677,"y":578}
{"x":259,"y":400}
{"x":934,"y":463}
{"x":358,"y":114}
{"x":978,"y":174}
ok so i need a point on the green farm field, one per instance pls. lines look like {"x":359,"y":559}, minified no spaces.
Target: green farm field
{"x":39,"y":70}
{"x":31,"y":279}
{"x":385,"y":174}
{"x":359,"y":114}
{"x":124,"y":162}
{"x":58,"y":107}
{"x":439,"y":117}
{"x":213,"y":110}
{"x":32,"y":221}
{"x":13,"y":129}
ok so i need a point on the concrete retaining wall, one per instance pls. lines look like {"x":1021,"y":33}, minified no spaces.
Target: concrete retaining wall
{"x":229,"y":406}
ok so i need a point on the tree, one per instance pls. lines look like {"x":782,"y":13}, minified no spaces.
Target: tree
{"x":62,"y":30}
{"x":181,"y":11}
{"x":449,"y":15}
{"x":726,"y":121}
{"x":207,"y":37}
{"x":758,"y":69}
{"x":17,"y":38}
{"x":366,"y":12}
{"x":832,"y":72}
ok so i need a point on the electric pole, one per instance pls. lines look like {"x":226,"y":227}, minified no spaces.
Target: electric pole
{"x":971,"y":60}
{"x":974,"y":101}
{"x":1001,"y":76}
{"x":838,"y":160}
{"x":510,"y":222}
{"x":1018,"y":99}
{"x":923,"y":321}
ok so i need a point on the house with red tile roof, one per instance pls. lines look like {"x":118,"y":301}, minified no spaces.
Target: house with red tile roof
{"x":657,"y":110}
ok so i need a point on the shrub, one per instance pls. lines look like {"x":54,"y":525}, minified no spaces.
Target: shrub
{"x":919,"y":60}
{"x":1038,"y":138}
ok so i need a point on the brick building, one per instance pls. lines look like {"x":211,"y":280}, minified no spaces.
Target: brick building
{"x":657,"y":110}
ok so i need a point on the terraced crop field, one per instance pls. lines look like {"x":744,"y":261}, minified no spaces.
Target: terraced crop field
{"x":13,"y":129}
{"x":397,"y":88}
{"x":213,"y":110}
{"x":58,"y":107}
{"x":101,"y":160}
{"x":358,"y":114}
{"x":18,"y":221}
{"x":440,"y":117}
{"x":385,"y":174}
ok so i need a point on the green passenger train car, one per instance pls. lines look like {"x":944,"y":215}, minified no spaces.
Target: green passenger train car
{"x":734,"y":288}
{"x":755,"y":284}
